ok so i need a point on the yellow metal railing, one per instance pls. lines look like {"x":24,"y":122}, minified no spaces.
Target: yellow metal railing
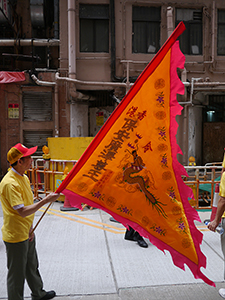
{"x":46,"y":176}
{"x":202,"y":180}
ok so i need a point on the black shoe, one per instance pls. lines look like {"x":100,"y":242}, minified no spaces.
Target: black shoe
{"x":142,"y":243}
{"x":49,"y":295}
{"x":130,"y":238}
{"x":129,"y":235}
{"x":137,"y":236}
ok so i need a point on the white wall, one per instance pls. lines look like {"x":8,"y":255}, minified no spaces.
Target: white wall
{"x":78,"y":120}
{"x":94,"y":128}
{"x":195,"y":133}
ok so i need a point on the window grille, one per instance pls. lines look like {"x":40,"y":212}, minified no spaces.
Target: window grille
{"x":191,"y":38}
{"x":221,"y":32}
{"x":94,"y":28}
{"x":146,"y":29}
{"x":37,"y":106}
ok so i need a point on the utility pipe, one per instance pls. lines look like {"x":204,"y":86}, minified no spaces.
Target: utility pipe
{"x":116,"y":84}
{"x":71,"y":11}
{"x":78,"y":95}
{"x":192,"y":87}
{"x":96,"y":83}
{"x":29,"y":42}
{"x":169,"y":21}
{"x":43,"y":83}
{"x":185,"y":136}
{"x":213,"y":34}
{"x":56,"y":111}
{"x":196,"y":85}
{"x":121,"y":84}
{"x":204,"y":84}
{"x":71,"y":39}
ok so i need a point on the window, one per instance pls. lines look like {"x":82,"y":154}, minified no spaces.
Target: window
{"x":215,"y":111}
{"x":221,"y":33}
{"x":146,"y":29}
{"x":191,"y":38}
{"x":94,"y":28}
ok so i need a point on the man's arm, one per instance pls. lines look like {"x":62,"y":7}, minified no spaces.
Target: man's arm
{"x":220,"y":210}
{"x":31,"y":209}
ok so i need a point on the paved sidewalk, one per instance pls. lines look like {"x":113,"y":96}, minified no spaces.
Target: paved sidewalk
{"x":83,"y":255}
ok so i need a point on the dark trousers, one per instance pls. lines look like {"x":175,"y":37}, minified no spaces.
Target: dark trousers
{"x":131,"y":234}
{"x":223,"y":242}
{"x":22,"y":263}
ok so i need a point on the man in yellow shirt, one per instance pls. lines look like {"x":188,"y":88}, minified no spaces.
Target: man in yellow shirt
{"x":18,"y":214}
{"x":220,"y":213}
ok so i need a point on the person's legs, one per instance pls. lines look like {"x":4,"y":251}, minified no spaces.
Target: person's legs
{"x":222,"y":237}
{"x":16,"y":264}
{"x":33,"y":276}
{"x":141,"y":242}
{"x":133,"y":235}
{"x":129,"y":234}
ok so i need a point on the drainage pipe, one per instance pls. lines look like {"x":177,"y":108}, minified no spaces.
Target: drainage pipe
{"x":169,"y":21}
{"x":43,"y":83}
{"x":71,"y":39}
{"x":123,"y":84}
{"x":204,"y":84}
{"x":96,"y":83}
{"x":195,"y":85}
{"x":76,"y":94}
{"x":29,"y":42}
{"x":213,"y":34}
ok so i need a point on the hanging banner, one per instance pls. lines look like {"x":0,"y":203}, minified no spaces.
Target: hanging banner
{"x":9,"y":77}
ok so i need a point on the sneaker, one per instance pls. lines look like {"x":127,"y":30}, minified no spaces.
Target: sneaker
{"x":222,"y":293}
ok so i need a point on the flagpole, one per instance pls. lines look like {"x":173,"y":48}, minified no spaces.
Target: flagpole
{"x":41,"y":218}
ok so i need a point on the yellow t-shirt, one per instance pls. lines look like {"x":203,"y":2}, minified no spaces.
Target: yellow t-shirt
{"x":222,"y":185}
{"x":15,"y":190}
{"x":223,"y":164}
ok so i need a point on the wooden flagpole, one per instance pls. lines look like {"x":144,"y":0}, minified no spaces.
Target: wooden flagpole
{"x":41,"y":218}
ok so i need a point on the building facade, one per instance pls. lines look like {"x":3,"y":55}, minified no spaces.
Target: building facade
{"x":80,"y":58}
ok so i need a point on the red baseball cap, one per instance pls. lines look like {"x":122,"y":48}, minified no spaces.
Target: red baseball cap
{"x":18,"y":151}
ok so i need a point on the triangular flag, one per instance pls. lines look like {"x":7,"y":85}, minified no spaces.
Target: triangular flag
{"x":130,"y":169}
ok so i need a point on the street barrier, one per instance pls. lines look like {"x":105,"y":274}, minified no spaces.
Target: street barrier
{"x":202,"y":180}
{"x":47,"y":175}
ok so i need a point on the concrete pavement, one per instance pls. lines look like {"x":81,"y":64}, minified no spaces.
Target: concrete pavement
{"x":83,"y":255}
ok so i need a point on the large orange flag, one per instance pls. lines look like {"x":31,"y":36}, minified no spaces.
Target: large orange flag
{"x":130,"y":169}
